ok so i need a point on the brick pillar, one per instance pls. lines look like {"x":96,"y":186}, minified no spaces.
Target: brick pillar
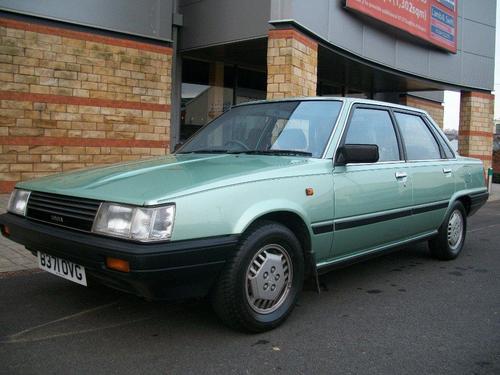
{"x":72,"y":99}
{"x":216,"y":91}
{"x":292,"y":64}
{"x":435,"y":109}
{"x":475,"y":134}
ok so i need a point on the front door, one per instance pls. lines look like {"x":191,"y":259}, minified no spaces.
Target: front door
{"x":372,"y":201}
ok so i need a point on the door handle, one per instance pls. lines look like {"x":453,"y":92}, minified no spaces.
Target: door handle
{"x":446,"y":170}
{"x":400,"y":175}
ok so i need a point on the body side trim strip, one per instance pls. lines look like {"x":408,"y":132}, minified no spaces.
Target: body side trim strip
{"x":323,"y":228}
{"x":372,"y":220}
{"x":352,"y":223}
{"x":435,"y":206}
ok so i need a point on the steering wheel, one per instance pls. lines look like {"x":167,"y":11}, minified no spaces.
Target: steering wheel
{"x":239,"y":143}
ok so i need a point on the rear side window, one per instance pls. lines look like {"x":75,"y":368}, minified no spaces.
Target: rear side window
{"x":419,"y":141}
{"x":445,"y":147}
{"x":374,"y":127}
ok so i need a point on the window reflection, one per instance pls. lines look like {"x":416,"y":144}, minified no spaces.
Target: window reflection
{"x":269,"y":127}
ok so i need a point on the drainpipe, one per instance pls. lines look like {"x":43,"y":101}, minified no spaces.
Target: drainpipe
{"x":175,"y":108}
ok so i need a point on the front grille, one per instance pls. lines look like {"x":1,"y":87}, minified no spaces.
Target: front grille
{"x":71,"y":212}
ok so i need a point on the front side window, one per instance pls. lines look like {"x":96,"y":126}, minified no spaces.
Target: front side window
{"x":290,"y":127}
{"x":419,"y":141}
{"x":374,"y":127}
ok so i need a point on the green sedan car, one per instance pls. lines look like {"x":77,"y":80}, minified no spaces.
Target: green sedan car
{"x":265,"y":196}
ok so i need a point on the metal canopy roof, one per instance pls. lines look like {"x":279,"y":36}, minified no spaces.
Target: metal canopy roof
{"x":334,"y":68}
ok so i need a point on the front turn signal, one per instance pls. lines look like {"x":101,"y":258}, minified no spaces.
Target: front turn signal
{"x":117,"y":264}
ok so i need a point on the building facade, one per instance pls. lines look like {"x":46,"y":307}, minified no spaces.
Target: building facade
{"x":91,"y":83}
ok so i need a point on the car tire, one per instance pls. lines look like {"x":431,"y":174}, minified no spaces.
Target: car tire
{"x":259,"y":286}
{"x":450,"y":240}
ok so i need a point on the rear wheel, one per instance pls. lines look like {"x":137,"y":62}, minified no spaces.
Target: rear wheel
{"x":260,"y":284}
{"x":450,"y":240}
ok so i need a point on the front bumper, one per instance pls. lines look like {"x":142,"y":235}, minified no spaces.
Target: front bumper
{"x":168,"y":270}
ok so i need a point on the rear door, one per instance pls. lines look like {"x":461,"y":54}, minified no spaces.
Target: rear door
{"x":430,"y":170}
{"x":371,"y":200}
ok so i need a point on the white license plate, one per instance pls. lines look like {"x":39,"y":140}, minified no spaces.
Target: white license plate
{"x":61,"y":267}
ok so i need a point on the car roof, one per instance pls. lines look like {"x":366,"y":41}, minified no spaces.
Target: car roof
{"x":347,"y":100}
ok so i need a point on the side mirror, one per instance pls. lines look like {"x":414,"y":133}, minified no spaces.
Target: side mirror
{"x":350,"y":153}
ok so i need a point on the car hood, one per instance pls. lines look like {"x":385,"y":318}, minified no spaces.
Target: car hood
{"x":159,"y":180}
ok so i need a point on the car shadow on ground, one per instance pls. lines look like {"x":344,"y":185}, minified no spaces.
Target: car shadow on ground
{"x":72,"y":310}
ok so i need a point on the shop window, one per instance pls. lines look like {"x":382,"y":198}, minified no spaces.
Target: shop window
{"x":325,"y":89}
{"x":251,"y":85}
{"x":209,"y":89}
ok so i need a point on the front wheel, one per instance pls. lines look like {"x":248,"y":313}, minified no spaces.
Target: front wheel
{"x":450,"y":240}
{"x":259,"y":286}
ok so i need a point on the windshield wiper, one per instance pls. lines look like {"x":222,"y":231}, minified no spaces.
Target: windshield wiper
{"x":205,"y":151}
{"x":273,"y":152}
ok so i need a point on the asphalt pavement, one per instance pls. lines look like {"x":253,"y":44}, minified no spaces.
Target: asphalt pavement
{"x":403,"y":313}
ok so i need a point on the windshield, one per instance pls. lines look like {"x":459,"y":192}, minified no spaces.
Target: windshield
{"x":278,"y":128}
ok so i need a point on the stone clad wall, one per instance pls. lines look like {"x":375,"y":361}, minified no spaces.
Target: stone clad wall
{"x":475,"y":134}
{"x":72,"y":99}
{"x":292,"y":64}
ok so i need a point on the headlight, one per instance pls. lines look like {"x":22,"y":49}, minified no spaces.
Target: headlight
{"x":18,"y":201}
{"x":136,"y":223}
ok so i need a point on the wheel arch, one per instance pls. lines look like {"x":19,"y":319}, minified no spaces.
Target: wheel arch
{"x":466,"y":201}
{"x":466,"y":198}
{"x":294,"y":221}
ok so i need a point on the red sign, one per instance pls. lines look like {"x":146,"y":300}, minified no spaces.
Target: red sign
{"x":432,"y":20}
